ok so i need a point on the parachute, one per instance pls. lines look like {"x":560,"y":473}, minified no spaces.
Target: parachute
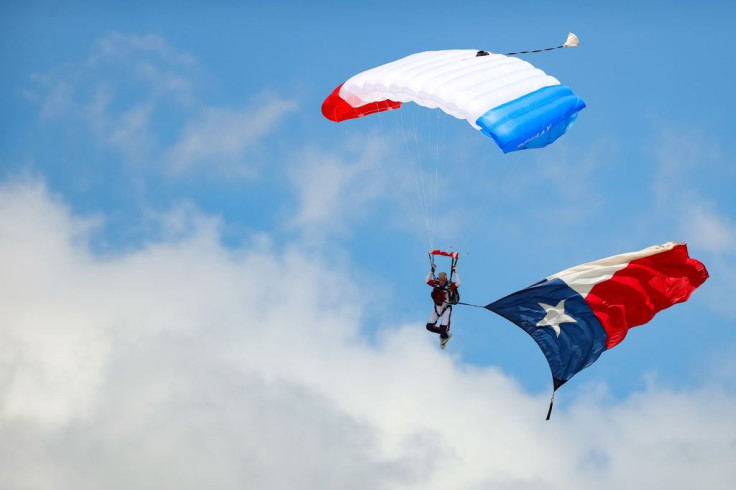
{"x":516,"y":104}
{"x":506,"y":98}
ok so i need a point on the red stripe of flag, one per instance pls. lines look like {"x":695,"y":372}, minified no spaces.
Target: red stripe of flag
{"x":647,"y":285}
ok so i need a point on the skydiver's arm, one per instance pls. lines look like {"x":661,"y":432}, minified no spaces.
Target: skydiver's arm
{"x":429,"y":279}
{"x":456,"y":281}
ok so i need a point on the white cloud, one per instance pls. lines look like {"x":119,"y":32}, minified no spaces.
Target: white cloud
{"x":364,"y":180}
{"x":680,"y":156}
{"x":118,"y":90}
{"x":137,"y":95}
{"x":709,"y":230}
{"x":334,"y":187}
{"x":117,"y":45}
{"x":568,"y":182}
{"x":685,"y":161}
{"x":148,"y":58}
{"x":220,"y":137}
{"x":188,"y":365}
{"x":56,"y":97}
{"x":53,"y":361}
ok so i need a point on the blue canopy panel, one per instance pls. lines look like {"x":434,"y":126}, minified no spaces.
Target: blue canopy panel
{"x":532,"y":121}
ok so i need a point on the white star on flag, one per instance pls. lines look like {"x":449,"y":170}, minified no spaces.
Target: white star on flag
{"x":555,"y":315}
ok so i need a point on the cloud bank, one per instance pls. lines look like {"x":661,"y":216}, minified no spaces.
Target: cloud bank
{"x":185,"y":364}
{"x":140,"y":97}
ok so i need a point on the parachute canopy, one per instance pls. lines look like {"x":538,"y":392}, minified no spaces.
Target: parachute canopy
{"x":452,"y":255}
{"x":506,"y":98}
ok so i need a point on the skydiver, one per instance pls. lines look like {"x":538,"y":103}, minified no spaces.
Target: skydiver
{"x":442,"y":294}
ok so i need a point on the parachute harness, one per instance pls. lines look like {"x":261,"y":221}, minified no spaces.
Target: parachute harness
{"x":453,"y":296}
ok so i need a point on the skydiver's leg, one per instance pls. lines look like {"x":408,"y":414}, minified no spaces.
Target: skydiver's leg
{"x":445,"y":327}
{"x":445,"y":323}
{"x":432,"y":324}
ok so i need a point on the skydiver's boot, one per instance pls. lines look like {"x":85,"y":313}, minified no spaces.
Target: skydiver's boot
{"x":433,"y":328}
{"x":444,"y":336}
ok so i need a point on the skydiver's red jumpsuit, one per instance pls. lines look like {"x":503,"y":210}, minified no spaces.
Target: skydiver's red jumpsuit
{"x":442,"y":308}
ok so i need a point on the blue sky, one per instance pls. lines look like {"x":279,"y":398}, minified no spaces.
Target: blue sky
{"x":189,"y":137}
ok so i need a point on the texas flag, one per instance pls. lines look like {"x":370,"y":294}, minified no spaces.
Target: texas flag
{"x":578,"y":313}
